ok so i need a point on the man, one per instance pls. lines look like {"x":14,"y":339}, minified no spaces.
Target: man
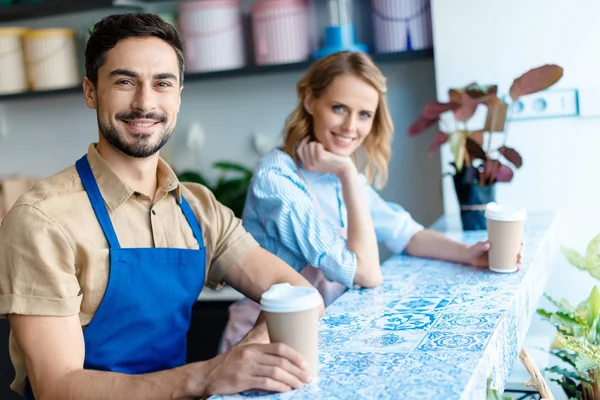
{"x":117,"y":246}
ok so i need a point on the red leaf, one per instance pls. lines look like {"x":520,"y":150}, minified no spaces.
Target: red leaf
{"x":494,"y":171}
{"x":474,"y":149}
{"x":420,"y":125}
{"x":477,"y":137}
{"x":467,"y":105}
{"x":504,"y":173}
{"x":535,"y":80}
{"x":434,"y":109}
{"x":438,"y":140}
{"x":511,"y":155}
{"x":481,"y":93}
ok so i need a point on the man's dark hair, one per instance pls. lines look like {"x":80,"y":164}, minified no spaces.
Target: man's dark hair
{"x":112,"y":29}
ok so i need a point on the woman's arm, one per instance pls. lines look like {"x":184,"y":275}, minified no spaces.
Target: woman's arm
{"x":361,"y":232}
{"x":361,"y":239}
{"x":431,"y":244}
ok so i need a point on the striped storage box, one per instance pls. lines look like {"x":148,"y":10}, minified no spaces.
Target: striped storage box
{"x":51,"y":58}
{"x":280,"y":31}
{"x":212,"y":30}
{"x":401,"y":25}
{"x":13,"y":78}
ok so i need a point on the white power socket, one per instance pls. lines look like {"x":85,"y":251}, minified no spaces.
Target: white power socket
{"x":557,"y":103}
{"x":589,"y":102}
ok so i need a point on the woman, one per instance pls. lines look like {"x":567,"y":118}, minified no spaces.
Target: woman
{"x":311,"y":205}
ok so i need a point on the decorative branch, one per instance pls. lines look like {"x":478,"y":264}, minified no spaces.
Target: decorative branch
{"x":538,"y":382}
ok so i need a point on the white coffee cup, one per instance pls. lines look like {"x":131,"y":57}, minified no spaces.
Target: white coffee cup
{"x":292,"y":315}
{"x":505,"y":234}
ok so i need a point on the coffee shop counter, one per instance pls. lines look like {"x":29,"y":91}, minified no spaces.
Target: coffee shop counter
{"x":433,"y":330}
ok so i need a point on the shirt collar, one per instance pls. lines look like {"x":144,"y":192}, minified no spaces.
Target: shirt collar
{"x":115,"y":192}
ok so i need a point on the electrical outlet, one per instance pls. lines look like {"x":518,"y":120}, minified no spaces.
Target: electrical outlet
{"x":589,"y":102}
{"x":558,"y":103}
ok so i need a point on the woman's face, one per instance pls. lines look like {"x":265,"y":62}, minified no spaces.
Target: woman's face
{"x":343,"y":115}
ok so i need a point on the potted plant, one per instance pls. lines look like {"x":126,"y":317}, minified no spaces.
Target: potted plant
{"x":577,"y":341}
{"x":477,"y":165}
{"x":229,"y":191}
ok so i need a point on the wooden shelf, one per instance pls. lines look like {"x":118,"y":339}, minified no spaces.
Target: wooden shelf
{"x":380,"y":59}
{"x":47,"y":8}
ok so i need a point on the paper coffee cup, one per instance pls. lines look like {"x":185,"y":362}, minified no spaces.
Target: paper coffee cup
{"x":505,"y":234}
{"x":292,"y":314}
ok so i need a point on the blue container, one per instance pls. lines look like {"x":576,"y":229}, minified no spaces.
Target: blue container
{"x":340,"y":38}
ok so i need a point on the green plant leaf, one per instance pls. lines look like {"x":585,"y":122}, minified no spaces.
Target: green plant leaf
{"x":544,"y":314}
{"x":593,"y":310}
{"x":570,"y":387}
{"x":565,"y":355}
{"x":195,"y":177}
{"x":574,"y":258}
{"x":563,"y":305}
{"x":580,"y":347}
{"x":563,"y":372}
{"x":584,"y":364}
{"x":457,"y":145}
{"x":231,"y":166}
{"x":566,"y":322}
{"x":592,"y":257}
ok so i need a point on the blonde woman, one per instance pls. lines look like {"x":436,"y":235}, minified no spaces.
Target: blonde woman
{"x":311,"y":205}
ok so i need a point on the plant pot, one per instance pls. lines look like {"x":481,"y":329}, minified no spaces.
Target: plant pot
{"x":472,"y":199}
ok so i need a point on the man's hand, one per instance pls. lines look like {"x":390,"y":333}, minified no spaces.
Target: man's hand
{"x":477,"y":255}
{"x":315,"y":158}
{"x":273,"y":367}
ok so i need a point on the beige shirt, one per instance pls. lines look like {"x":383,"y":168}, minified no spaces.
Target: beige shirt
{"x":54,"y":256}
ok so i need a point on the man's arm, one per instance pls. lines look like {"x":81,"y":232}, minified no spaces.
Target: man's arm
{"x":254,"y":275}
{"x":54,"y":351}
{"x":53,"y":348}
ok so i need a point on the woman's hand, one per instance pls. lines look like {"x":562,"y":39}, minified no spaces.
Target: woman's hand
{"x":477,"y":255}
{"x":315,"y":158}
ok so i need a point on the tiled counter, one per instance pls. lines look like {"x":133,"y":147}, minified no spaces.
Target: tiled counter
{"x":433,"y":330}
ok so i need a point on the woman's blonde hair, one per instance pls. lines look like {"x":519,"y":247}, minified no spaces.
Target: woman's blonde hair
{"x":378,"y":144}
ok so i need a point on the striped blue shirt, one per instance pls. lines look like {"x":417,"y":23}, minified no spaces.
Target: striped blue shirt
{"x":283,"y":217}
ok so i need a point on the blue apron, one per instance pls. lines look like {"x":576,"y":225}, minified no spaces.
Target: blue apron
{"x":143,"y":319}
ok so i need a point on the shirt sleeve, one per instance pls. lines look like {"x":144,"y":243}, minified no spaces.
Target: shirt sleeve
{"x":228,"y":242}
{"x":394,"y":226}
{"x":288,"y":214}
{"x":37,"y":266}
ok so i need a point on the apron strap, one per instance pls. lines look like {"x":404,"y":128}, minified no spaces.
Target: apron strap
{"x":91,"y":187}
{"x":192,"y":221}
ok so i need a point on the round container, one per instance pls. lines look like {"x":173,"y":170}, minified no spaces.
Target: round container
{"x":212,"y":30}
{"x":401,"y":25}
{"x":51,"y":59}
{"x":280,"y":31}
{"x":13,"y":78}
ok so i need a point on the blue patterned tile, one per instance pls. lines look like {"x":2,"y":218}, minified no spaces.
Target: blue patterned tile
{"x":445,"y":341}
{"x":353,"y":365}
{"x":464,"y":360}
{"x":461,"y":322}
{"x":377,"y":341}
{"x":418,"y":304}
{"x":405,"y":321}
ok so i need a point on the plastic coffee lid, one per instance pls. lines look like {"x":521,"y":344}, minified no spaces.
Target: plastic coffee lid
{"x":283,"y":297}
{"x":498,"y":212}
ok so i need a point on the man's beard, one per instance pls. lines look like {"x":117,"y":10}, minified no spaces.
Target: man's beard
{"x":141,"y":148}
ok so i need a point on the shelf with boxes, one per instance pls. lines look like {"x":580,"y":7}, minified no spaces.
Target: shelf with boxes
{"x":44,"y":62}
{"x":16,"y":10}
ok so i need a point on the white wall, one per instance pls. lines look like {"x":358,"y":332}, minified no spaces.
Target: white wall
{"x":50,"y":133}
{"x":494,"y":42}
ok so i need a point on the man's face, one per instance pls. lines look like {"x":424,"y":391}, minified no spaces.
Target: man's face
{"x":138,"y":95}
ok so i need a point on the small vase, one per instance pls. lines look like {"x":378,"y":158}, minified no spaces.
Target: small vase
{"x":472,"y":199}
